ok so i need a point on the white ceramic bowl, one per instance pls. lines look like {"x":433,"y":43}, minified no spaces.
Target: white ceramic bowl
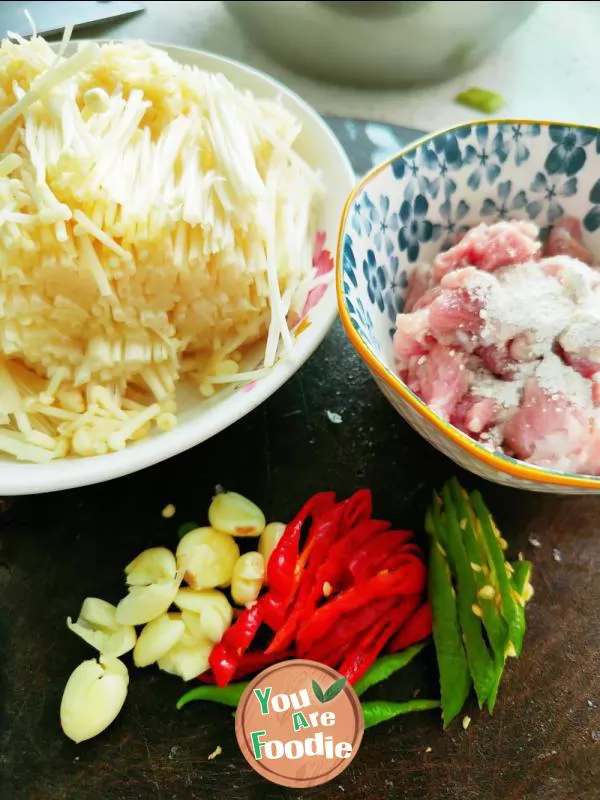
{"x":198,"y":419}
{"x":407,"y":210}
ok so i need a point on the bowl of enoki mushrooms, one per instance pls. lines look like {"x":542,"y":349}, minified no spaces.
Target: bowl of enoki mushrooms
{"x":166,"y":222}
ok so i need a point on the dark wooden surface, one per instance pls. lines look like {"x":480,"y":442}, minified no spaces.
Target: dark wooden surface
{"x":57,"y":549}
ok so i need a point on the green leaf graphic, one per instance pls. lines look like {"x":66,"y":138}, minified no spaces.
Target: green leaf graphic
{"x":334,"y":690}
{"x":318,"y":691}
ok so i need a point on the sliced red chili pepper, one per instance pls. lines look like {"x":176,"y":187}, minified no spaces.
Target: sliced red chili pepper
{"x":322,"y":534}
{"x":371,"y":557}
{"x":408,"y":580}
{"x":347,"y":628}
{"x":358,"y":507}
{"x":226,"y":655}
{"x":282,"y":563}
{"x":334,"y":567}
{"x":368,"y":647}
{"x":417,"y":628}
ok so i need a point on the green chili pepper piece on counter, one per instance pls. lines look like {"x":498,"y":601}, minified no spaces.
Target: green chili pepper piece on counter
{"x":521,"y":577}
{"x":481,"y":100}
{"x":386,"y":666}
{"x":377,"y":711}
{"x":479,"y":660}
{"x":486,"y":586}
{"x":494,"y":624}
{"x":227,"y":696}
{"x":455,"y":680}
{"x":509,"y":603}
{"x":521,"y":573}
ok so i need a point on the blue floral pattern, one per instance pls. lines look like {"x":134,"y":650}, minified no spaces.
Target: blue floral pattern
{"x":417,"y":205}
{"x":385,"y":224}
{"x":503,"y":206}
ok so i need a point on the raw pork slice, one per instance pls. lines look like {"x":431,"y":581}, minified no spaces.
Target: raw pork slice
{"x":489,"y":247}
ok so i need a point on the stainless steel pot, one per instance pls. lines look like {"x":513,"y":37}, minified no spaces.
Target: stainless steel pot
{"x":380,"y":43}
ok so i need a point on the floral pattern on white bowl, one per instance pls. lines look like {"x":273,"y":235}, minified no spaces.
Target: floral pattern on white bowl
{"x":411,"y":207}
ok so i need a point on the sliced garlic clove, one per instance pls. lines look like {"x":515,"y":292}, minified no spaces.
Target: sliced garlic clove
{"x":187,"y":660}
{"x":157,"y":638}
{"x":145,"y":603}
{"x":151,"y":566}
{"x":207,"y":557}
{"x":209,"y":612}
{"x":98,"y":613}
{"x":232,"y":513}
{"x":97,"y":625}
{"x":208,"y":625}
{"x":93,"y":697}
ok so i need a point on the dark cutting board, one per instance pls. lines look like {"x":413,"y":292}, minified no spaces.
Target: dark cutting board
{"x":544,"y":739}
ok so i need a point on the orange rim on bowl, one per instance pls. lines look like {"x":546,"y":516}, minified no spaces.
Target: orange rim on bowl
{"x":506,"y":464}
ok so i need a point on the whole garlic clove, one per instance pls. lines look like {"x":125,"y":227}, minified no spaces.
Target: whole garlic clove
{"x":207,"y":613}
{"x":97,"y":625}
{"x":233,"y":513}
{"x":145,"y":603}
{"x":187,"y":659}
{"x":247,"y":579}
{"x":93,"y":697}
{"x":157,"y":638}
{"x":151,"y":566}
{"x":207,"y":557}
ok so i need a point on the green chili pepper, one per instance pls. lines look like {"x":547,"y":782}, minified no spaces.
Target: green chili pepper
{"x":186,"y":527}
{"x":227,"y":696}
{"x":486,"y":584}
{"x":455,"y":680}
{"x":481,"y":100}
{"x":521,"y":572}
{"x":495,"y":626}
{"x":509,"y":605}
{"x":377,"y":711}
{"x":386,"y":666}
{"x":521,"y":575}
{"x":479,"y":660}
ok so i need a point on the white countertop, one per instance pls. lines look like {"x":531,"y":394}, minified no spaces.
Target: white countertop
{"x":548,"y":69}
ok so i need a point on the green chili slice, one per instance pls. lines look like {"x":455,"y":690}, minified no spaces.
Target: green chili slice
{"x":386,"y":666}
{"x":227,"y":695}
{"x":377,"y":711}
{"x":455,"y":680}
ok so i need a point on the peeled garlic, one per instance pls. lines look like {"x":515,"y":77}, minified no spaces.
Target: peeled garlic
{"x":151,"y":566}
{"x":268,"y":541}
{"x":206,"y":557}
{"x":98,"y":626}
{"x":145,"y":603}
{"x":157,"y":638}
{"x":93,"y":697}
{"x":206,"y":613}
{"x":154,"y":582}
{"x":247,"y":579}
{"x":231,"y":513}
{"x":187,"y":659}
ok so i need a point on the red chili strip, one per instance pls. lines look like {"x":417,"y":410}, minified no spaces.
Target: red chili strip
{"x":225,"y":656}
{"x":417,"y":628}
{"x":366,"y":650}
{"x":371,"y":558}
{"x":410,"y":580}
{"x":283,"y":560}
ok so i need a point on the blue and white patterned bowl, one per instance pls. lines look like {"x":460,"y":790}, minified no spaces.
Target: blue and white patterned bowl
{"x":408,"y":209}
